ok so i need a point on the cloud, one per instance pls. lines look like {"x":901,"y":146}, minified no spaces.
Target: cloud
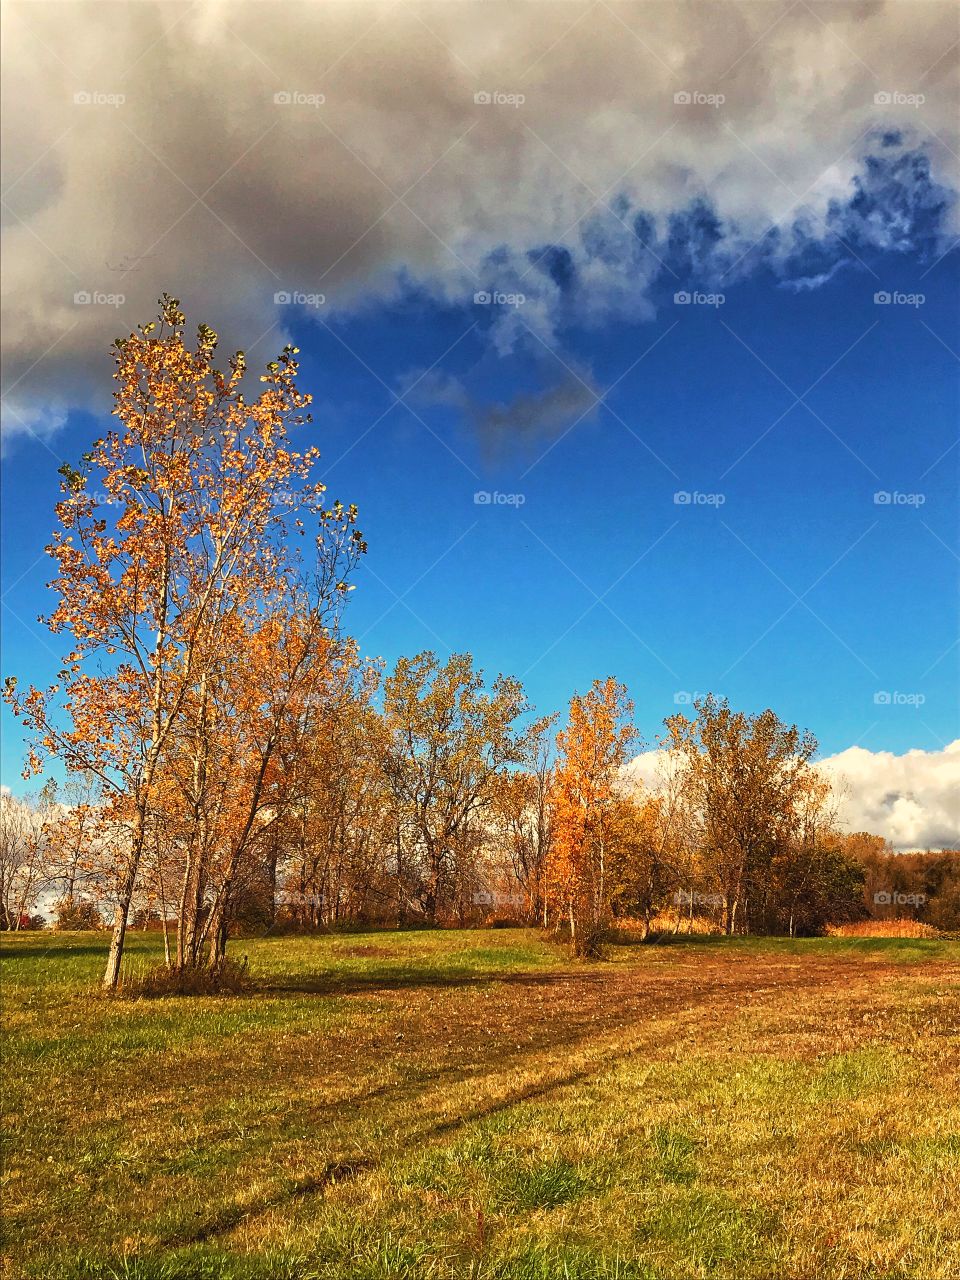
{"x":912,"y":800}
{"x":188,"y":149}
{"x":529,"y":416}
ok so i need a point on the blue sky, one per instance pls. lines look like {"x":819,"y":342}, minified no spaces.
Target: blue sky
{"x":781,"y":582}
{"x":499,"y":206}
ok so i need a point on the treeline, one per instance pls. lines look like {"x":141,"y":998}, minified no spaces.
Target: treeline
{"x":427,"y":797}
{"x":916,"y":886}
{"x":235,"y":761}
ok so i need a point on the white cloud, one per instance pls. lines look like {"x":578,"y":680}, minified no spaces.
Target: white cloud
{"x":199,"y":183}
{"x":912,"y":800}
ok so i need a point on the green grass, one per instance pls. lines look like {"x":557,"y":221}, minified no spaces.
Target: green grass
{"x":432,"y":1105}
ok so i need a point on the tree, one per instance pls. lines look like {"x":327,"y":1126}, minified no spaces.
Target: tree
{"x":449,"y":743}
{"x":747,"y":778}
{"x":581,"y":881}
{"x":175,"y":521}
{"x":333,"y":838}
{"x":523,"y":818}
{"x":72,"y":831}
{"x":25,"y":871}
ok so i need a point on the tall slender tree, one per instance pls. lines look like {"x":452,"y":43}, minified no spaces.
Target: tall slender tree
{"x":592,"y":750}
{"x":174,"y":521}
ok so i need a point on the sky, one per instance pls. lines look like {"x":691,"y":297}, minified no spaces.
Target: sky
{"x":631,"y":330}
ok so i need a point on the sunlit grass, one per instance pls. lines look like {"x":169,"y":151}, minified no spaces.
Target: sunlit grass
{"x":426,"y":1105}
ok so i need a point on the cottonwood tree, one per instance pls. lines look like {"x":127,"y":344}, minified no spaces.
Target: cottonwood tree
{"x":72,"y":832}
{"x":449,"y":742}
{"x":592,"y":750}
{"x":333,"y":839}
{"x":523,"y":818}
{"x":171,"y":523}
{"x":643,"y":869}
{"x":746,"y":778}
{"x":25,"y":866}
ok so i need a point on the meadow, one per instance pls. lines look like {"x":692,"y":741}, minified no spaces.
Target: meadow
{"x":430,"y":1104}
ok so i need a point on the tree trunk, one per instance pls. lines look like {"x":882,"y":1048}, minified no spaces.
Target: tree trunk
{"x":111,"y":974}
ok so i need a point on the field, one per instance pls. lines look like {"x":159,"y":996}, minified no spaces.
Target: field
{"x":473,"y":1104}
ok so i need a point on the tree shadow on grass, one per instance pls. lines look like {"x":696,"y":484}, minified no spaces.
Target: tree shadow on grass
{"x":548,"y":1079}
{"x":9,"y":951}
{"x":340,"y":984}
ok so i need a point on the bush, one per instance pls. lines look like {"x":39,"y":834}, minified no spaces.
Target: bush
{"x":228,"y":979}
{"x":231,"y":978}
{"x":77,"y":913}
{"x":588,"y":943}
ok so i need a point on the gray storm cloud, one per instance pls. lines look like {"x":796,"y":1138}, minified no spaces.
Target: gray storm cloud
{"x":231,"y":152}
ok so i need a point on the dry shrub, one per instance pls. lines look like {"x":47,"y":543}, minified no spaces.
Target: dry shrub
{"x":883,"y":929}
{"x":589,"y":942}
{"x":76,"y":914}
{"x":667,"y":922}
{"x":230,"y":978}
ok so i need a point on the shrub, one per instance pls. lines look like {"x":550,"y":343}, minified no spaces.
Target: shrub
{"x":229,"y":978}
{"x":77,"y":913}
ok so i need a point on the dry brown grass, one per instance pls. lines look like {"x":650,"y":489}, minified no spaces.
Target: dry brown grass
{"x":444,"y":1106}
{"x":883,"y":929}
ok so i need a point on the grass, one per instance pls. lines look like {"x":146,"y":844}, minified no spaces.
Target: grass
{"x":440,"y":1105}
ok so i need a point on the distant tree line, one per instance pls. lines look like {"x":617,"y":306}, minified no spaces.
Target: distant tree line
{"x":235,"y":762}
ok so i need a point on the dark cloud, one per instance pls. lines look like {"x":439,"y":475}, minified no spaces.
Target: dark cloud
{"x":231,"y":151}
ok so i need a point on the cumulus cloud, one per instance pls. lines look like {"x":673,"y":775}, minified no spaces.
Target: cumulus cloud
{"x":187,"y":148}
{"x":912,"y":800}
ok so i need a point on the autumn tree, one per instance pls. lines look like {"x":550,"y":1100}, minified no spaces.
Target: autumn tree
{"x":175,"y":520}
{"x":72,"y":836}
{"x":26,"y":873}
{"x":592,"y":750}
{"x":644,"y":871}
{"x":523,"y":818}
{"x":449,"y":741}
{"x":333,"y":841}
{"x":747,"y":779}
